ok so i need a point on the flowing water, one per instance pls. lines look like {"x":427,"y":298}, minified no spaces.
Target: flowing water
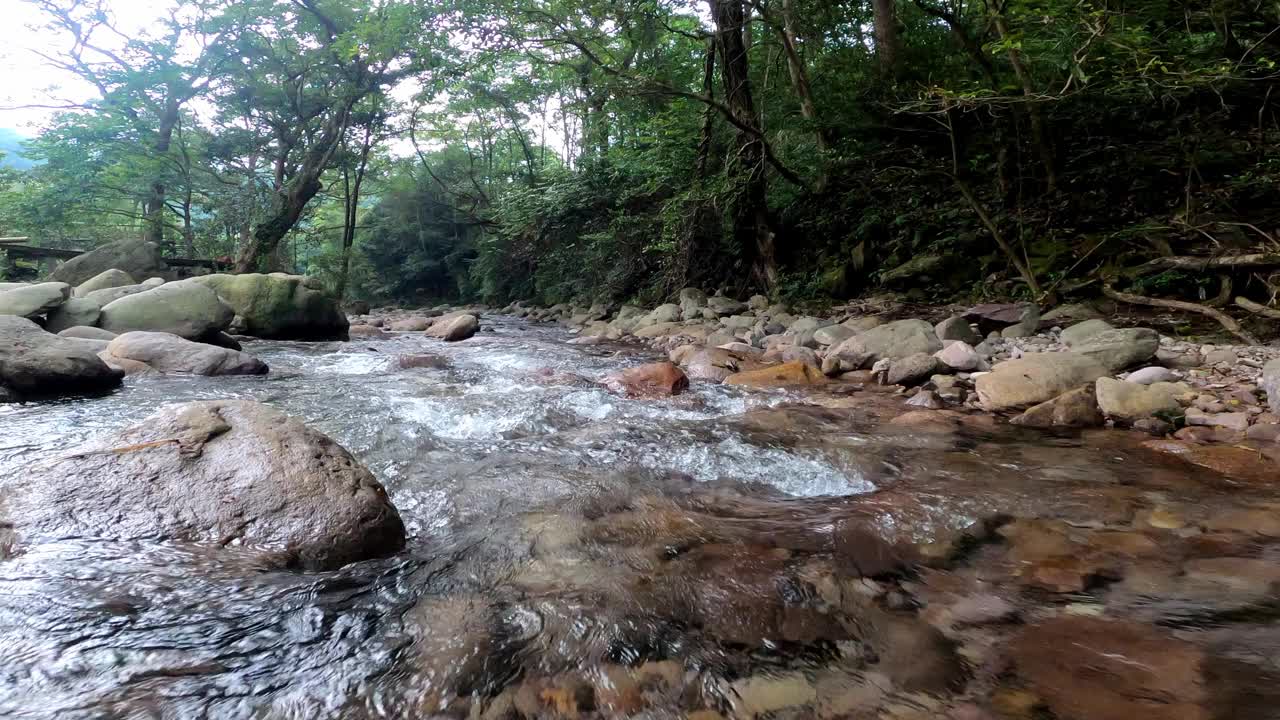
{"x":573,"y":553}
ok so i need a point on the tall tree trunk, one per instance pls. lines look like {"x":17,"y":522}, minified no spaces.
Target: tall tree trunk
{"x":803,"y":90}
{"x":351,"y":211}
{"x":294,"y":196}
{"x":888,"y":39}
{"x":154,"y":207}
{"x":1039,"y":134}
{"x":751,"y":226}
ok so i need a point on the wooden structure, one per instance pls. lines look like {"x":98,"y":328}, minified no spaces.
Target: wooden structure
{"x":17,"y":249}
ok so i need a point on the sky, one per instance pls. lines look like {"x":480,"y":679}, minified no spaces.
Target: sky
{"x":26,"y":79}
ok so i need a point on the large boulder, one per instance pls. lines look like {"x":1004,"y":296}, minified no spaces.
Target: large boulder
{"x":711,"y":364}
{"x":726,"y":306}
{"x":138,"y":258}
{"x":188,"y":309}
{"x":1035,"y":378}
{"x":1271,"y":384}
{"x":892,"y":341}
{"x":280,"y":307}
{"x":31,"y":301}
{"x":1117,"y":349}
{"x":956,"y":328}
{"x":1077,"y":408}
{"x":1082,"y":331}
{"x":87,"y":333}
{"x":76,"y":312}
{"x":455,"y":328}
{"x":223,"y":472}
{"x":1129,"y":402}
{"x":36,"y":363}
{"x":105,"y":280}
{"x":170,"y":354}
{"x":106,"y":296}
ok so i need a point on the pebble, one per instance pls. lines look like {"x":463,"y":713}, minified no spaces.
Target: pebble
{"x":1150,"y":375}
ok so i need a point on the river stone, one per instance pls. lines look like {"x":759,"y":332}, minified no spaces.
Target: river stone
{"x":33,"y":300}
{"x":710,"y":364}
{"x":1087,"y":668}
{"x":1077,"y":408}
{"x":726,"y":306}
{"x":170,"y":354}
{"x":413,"y":324}
{"x":1078,"y":333}
{"x":911,"y":370}
{"x":738,"y":322}
{"x":223,"y":472}
{"x":1028,"y":324}
{"x":88,"y":333}
{"x":864,"y":323}
{"x":785,"y":375}
{"x":1034,"y":378}
{"x":187,"y":309}
{"x":1270,"y":384}
{"x":138,"y":258}
{"x":957,"y":328}
{"x":1118,"y":349}
{"x":1129,"y":402}
{"x":662,"y":314}
{"x":34,"y":362}
{"x":807,"y":324}
{"x":894,"y":340}
{"x":1149,"y":375}
{"x":104,"y":280}
{"x":832,"y":335}
{"x":959,"y":356}
{"x":76,"y":312}
{"x":661,"y":379}
{"x":107,"y":296}
{"x":454,"y":329}
{"x":280,"y":307}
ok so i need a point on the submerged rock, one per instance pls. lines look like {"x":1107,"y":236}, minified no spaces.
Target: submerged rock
{"x":661,"y":379}
{"x":226,"y":472}
{"x":1077,"y":408}
{"x":171,"y":354}
{"x":36,"y":363}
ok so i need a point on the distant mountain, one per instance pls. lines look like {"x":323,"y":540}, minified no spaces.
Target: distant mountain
{"x":11,"y":146}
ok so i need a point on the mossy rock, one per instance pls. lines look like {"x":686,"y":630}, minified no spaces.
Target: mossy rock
{"x":279,"y":306}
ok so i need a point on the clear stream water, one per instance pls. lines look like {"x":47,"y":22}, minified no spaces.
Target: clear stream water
{"x":541,"y":511}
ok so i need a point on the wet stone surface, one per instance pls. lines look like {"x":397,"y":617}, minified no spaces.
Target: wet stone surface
{"x":726,"y":552}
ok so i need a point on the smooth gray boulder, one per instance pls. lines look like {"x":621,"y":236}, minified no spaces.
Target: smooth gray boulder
{"x":832,"y":335}
{"x":279,"y":306}
{"x":31,"y":301}
{"x":104,"y":280}
{"x":891,"y":341}
{"x":37,"y":363}
{"x":957,"y":328}
{"x":1120,"y":348}
{"x":1270,"y":384}
{"x":170,"y":354}
{"x":135,"y":257}
{"x":227,"y":473}
{"x":726,"y":306}
{"x":76,"y":312}
{"x":1035,"y":378}
{"x":187,"y":309}
{"x":1081,"y":331}
{"x":87,"y":333}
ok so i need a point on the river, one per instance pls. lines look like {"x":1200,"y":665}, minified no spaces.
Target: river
{"x":573,"y":553}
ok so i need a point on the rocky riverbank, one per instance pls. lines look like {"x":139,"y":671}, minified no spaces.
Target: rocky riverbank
{"x":1067,"y":367}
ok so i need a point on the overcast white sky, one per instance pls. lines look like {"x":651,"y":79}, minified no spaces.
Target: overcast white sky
{"x":24,"y":77}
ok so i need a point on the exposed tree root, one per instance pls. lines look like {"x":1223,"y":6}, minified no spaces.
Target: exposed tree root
{"x":1224,"y":319}
{"x":1258,"y":308}
{"x":1191,"y":262}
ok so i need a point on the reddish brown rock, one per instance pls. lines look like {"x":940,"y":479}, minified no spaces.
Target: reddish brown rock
{"x":1091,"y":669}
{"x":785,"y":375}
{"x":661,"y":379}
{"x":1236,"y":463}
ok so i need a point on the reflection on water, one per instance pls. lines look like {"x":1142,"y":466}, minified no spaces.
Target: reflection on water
{"x":572,"y":553}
